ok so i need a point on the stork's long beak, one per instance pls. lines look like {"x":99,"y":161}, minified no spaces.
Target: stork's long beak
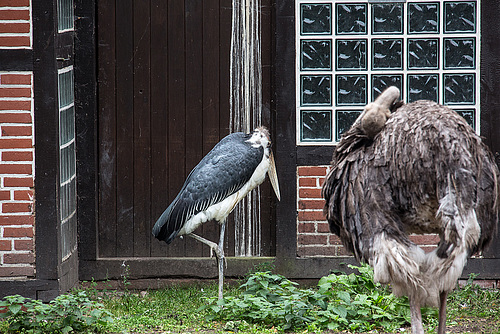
{"x":273,"y":176}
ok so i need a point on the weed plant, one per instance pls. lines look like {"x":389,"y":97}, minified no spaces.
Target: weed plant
{"x":351,"y":302}
{"x":73,"y":312}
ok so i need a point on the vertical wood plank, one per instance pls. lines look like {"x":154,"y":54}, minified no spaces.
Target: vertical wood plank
{"x":142,"y":128}
{"x":125,"y":127}
{"x":194,"y":96}
{"x":176,"y":107}
{"x":107,"y":129}
{"x":268,"y":199}
{"x":211,"y":105}
{"x":159,"y":116}
{"x":225,"y":33}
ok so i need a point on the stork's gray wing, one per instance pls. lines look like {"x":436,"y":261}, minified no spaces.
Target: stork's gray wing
{"x":221,"y":173}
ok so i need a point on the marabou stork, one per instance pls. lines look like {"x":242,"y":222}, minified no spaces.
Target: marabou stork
{"x":235,"y":166}
{"x":421,"y":169}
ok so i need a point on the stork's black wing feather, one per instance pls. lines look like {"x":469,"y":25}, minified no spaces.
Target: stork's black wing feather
{"x":221,"y":173}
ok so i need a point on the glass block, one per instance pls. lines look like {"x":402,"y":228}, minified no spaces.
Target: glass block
{"x":381,"y":82}
{"x":65,"y":88}
{"x":387,"y":54}
{"x":459,"y":53}
{"x":423,"y":53}
{"x":459,"y":88}
{"x":344,"y":121}
{"x":315,"y":55}
{"x":422,"y":87}
{"x":423,"y":17}
{"x":65,"y":16}
{"x":351,"y":18}
{"x":469,"y":115}
{"x":351,"y":89}
{"x":351,"y":54}
{"x":387,"y":18}
{"x":316,"y":89}
{"x":316,"y":19}
{"x":66,"y":125}
{"x":460,"y":16}
{"x":316,"y":125}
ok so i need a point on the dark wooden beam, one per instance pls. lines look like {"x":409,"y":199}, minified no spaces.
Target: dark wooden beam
{"x":46,"y":140}
{"x":490,"y":86}
{"x":284,"y":111}
{"x":86,"y":126}
{"x":16,"y":60}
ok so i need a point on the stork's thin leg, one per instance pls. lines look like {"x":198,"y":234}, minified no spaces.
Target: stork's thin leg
{"x":221,"y":259}
{"x":416,"y":317}
{"x":442,"y":312}
{"x":219,"y":253}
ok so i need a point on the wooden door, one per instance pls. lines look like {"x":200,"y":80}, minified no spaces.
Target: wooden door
{"x":163,"y":103}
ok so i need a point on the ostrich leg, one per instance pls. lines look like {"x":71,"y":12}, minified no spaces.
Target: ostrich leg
{"x":219,"y":253}
{"x":442,"y":312}
{"x":416,"y":317}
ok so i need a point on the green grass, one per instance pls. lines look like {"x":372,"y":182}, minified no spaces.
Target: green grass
{"x":181,"y":309}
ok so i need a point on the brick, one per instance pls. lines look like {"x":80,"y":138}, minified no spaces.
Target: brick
{"x":334,"y":240}
{"x":4,"y":195}
{"x":310,"y":193}
{"x":14,"y":3}
{"x":425,"y":239}
{"x":17,"y":271}
{"x":15,"y":92}
{"x":16,"y":130}
{"x":16,"y":220}
{"x":15,"y":79}
{"x":307,"y":182}
{"x":13,"y":28}
{"x":15,"y":168}
{"x":312,"y":171}
{"x":14,"y":117}
{"x":16,"y":207}
{"x":26,"y":182}
{"x":23,"y":195}
{"x":15,"y":143}
{"x":312,"y":239}
{"x":323,"y":228}
{"x":26,"y":245}
{"x":306,"y":228}
{"x":18,"y":258}
{"x":15,"y":14}
{"x":342,"y":251}
{"x":311,"y":216}
{"x":5,"y":245}
{"x":15,"y":41}
{"x":17,"y":156}
{"x":321,"y":180}
{"x":18,"y":232}
{"x":311,"y":204}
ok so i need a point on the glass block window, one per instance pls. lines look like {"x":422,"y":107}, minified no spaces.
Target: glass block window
{"x":65,"y":15}
{"x":349,"y":51}
{"x":67,"y":161}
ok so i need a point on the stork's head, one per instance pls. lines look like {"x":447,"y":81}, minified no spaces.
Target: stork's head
{"x":260,"y":137}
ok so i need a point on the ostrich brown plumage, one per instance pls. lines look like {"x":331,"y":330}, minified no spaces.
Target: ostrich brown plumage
{"x":424,"y":171}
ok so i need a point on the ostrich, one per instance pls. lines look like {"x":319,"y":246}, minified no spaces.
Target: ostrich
{"x":421,"y":169}
{"x":235,"y":166}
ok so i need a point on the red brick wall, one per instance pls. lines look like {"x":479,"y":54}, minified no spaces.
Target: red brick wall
{"x":16,"y":148}
{"x":313,"y":234}
{"x":15,"y":24}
